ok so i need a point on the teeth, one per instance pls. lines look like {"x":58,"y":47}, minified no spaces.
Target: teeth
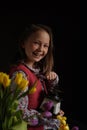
{"x":37,"y":54}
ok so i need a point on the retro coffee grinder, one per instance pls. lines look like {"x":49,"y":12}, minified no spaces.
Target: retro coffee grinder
{"x":53,"y":100}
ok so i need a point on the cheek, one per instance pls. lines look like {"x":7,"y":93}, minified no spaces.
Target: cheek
{"x":46,"y":51}
{"x":33,"y":47}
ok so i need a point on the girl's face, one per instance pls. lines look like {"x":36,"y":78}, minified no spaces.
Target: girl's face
{"x":36,"y":46}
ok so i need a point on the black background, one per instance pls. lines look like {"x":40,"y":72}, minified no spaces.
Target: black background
{"x":66,"y":31}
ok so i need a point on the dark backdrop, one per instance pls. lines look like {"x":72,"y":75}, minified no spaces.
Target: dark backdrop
{"x":66,"y":31}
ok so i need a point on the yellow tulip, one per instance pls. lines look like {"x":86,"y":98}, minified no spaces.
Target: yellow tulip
{"x":63,"y":125}
{"x":63,"y":122}
{"x":18,"y":78}
{"x":66,"y":127}
{"x":6,"y":81}
{"x":64,"y":118}
{"x":59,"y":117}
{"x":1,"y":77}
{"x":32,"y":90}
{"x":23,"y":84}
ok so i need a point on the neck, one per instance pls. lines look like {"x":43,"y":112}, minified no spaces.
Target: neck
{"x":30,"y":64}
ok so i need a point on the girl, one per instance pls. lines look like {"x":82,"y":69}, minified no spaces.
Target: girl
{"x":36,"y":63}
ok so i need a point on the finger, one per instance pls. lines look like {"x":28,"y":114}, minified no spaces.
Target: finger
{"x":52,"y":76}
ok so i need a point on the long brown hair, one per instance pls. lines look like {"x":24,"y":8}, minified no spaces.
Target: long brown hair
{"x":46,"y":64}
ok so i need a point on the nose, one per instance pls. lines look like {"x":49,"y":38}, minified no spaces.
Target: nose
{"x":41,"y":47}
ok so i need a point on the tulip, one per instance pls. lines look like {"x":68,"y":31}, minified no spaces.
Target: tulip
{"x":1,"y":77}
{"x":34,"y":122}
{"x":48,"y":105}
{"x":75,"y":128}
{"x":33,"y":89}
{"x":23,"y":84}
{"x":66,"y":127}
{"x":6,"y":81}
{"x":18,"y":78}
{"x":47,"y":114}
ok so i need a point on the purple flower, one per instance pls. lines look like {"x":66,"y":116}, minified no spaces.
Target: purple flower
{"x":34,"y":121}
{"x":75,"y":128}
{"x":47,"y":114}
{"x":48,"y":105}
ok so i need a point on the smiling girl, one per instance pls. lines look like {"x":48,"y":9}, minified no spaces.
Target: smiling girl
{"x":36,"y":63}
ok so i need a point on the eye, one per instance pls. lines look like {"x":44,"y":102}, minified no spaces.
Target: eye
{"x":46,"y":46}
{"x":37,"y":43}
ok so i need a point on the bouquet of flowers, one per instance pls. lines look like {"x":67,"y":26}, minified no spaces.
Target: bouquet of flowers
{"x":51,"y":107}
{"x":48,"y":113}
{"x":10,"y":92}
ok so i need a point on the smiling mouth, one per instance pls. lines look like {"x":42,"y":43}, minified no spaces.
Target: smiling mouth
{"x":37,"y":54}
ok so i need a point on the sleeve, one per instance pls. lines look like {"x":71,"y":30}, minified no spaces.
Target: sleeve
{"x":52,"y":83}
{"x":34,"y":118}
{"x":31,"y":116}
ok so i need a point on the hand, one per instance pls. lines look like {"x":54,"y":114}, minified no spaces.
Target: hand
{"x":51,"y":76}
{"x":61,"y":113}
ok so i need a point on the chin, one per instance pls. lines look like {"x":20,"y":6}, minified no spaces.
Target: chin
{"x":37,"y":60}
